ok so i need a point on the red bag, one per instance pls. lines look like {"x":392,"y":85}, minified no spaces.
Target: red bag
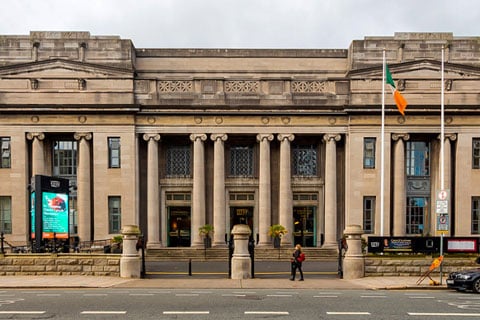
{"x":301,"y":257}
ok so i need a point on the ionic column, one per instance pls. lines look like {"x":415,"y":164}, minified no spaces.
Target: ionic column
{"x":285,"y":206}
{"x":447,"y":167}
{"x":399,"y":186}
{"x":331,"y":190}
{"x":153,"y":196}
{"x":219,"y":224}
{"x":38,"y":159}
{"x":83,"y":186}
{"x":198,"y":197}
{"x":264,"y":190}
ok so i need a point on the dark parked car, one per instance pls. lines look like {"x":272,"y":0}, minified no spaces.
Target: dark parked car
{"x":464,"y":280}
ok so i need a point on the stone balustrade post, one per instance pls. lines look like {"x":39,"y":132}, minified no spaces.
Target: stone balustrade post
{"x":241,"y":263}
{"x":354,"y":260}
{"x":130,"y":263}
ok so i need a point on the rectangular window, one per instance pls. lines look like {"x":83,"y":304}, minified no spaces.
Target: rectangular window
{"x":5,"y":152}
{"x":114,"y":214}
{"x":418,"y":159}
{"x":178,"y":161}
{"x":475,"y":215}
{"x":65,"y":159}
{"x":476,"y":153}
{"x":304,"y":160}
{"x":114,"y":152}
{"x":6,"y":214}
{"x":241,"y":161}
{"x":369,"y":214}
{"x":369,"y":153}
{"x":416,"y":209}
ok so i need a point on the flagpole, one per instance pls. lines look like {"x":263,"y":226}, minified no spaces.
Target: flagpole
{"x":382,"y":156}
{"x":442,"y":126}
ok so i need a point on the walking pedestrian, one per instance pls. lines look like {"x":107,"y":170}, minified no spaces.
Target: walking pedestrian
{"x":297,"y":258}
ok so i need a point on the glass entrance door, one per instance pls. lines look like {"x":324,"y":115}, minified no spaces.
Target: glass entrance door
{"x":304,"y":232}
{"x":241,"y":215}
{"x":178,"y":227}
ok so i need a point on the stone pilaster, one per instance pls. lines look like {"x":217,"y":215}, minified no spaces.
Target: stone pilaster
{"x":219,"y":203}
{"x":331,"y":190}
{"x":153,"y":195}
{"x":84,"y":186}
{"x":285,"y":204}
{"x":399,"y":187}
{"x":198,"y":197}
{"x":38,"y":159}
{"x":264,"y":190}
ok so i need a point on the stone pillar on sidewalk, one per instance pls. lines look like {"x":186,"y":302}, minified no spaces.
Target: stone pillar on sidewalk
{"x":130,"y":263}
{"x":241,"y":263}
{"x":354,"y":260}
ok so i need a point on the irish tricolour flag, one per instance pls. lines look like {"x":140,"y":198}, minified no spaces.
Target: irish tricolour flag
{"x":399,"y":99}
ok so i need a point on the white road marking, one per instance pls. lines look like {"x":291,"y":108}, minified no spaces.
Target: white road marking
{"x":279,"y":295}
{"x":375,"y":296}
{"x":421,"y":297}
{"x":325,"y":296}
{"x":186,"y":312}
{"x":95,"y":295}
{"x":186,"y":294}
{"x":426,"y":314}
{"x":22,"y":312}
{"x":103,"y":312}
{"x":268,"y":312}
{"x":234,"y":295}
{"x":48,"y":295}
{"x":349,"y":313}
{"x":141,"y":294}
{"x":244,"y":292}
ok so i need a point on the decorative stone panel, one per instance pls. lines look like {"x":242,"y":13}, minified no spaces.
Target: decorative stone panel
{"x":306,"y":86}
{"x":242,"y":86}
{"x":175,"y":86}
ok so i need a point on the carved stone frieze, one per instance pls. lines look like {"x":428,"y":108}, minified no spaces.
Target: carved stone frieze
{"x":306,"y":86}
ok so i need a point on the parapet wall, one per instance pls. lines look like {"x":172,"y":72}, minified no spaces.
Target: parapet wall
{"x":60,"y":264}
{"x":412,"y":266}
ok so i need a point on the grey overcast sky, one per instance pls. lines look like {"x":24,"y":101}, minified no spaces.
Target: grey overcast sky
{"x":324,"y":24}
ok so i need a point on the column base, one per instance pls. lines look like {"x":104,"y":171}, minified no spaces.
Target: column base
{"x":330,"y":245}
{"x":154,"y":245}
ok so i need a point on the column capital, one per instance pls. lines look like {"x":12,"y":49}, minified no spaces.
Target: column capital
{"x":329,"y":137}
{"x":154,"y":136}
{"x":449,"y":136}
{"x":82,"y":135}
{"x":403,"y":136}
{"x":218,"y":136}
{"x":195,"y":136}
{"x":264,"y":136}
{"x":33,"y":135}
{"x":283,"y":136}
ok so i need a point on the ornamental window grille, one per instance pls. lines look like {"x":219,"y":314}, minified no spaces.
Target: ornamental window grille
{"x":304,"y":160}
{"x":65,"y":159}
{"x":178,"y":161}
{"x":5,"y":152}
{"x":241,"y":161}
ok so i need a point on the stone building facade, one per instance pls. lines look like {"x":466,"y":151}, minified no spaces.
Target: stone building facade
{"x":172,"y":139}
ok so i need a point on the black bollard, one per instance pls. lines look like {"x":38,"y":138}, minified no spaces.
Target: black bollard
{"x":2,"y":238}
{"x":190,"y":267}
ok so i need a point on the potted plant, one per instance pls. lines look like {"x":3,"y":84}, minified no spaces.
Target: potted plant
{"x":206,"y":231}
{"x":116,"y":243}
{"x":277,"y":231}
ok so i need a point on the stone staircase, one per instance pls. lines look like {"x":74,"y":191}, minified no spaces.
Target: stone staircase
{"x":221,"y":254}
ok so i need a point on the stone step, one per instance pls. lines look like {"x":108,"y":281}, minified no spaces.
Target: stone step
{"x":221,"y":254}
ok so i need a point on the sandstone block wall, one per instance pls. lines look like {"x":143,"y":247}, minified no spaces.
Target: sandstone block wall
{"x":60,"y":264}
{"x":412,"y":266}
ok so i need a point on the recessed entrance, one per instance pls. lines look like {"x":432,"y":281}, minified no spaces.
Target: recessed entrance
{"x":304,"y":232}
{"x":241,"y":215}
{"x":178,"y":227}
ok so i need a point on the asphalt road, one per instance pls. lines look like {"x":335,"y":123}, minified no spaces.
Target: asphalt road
{"x":236,"y":304}
{"x":262,"y":269}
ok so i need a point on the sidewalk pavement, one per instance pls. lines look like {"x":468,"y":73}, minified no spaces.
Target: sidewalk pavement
{"x":369,"y":283}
